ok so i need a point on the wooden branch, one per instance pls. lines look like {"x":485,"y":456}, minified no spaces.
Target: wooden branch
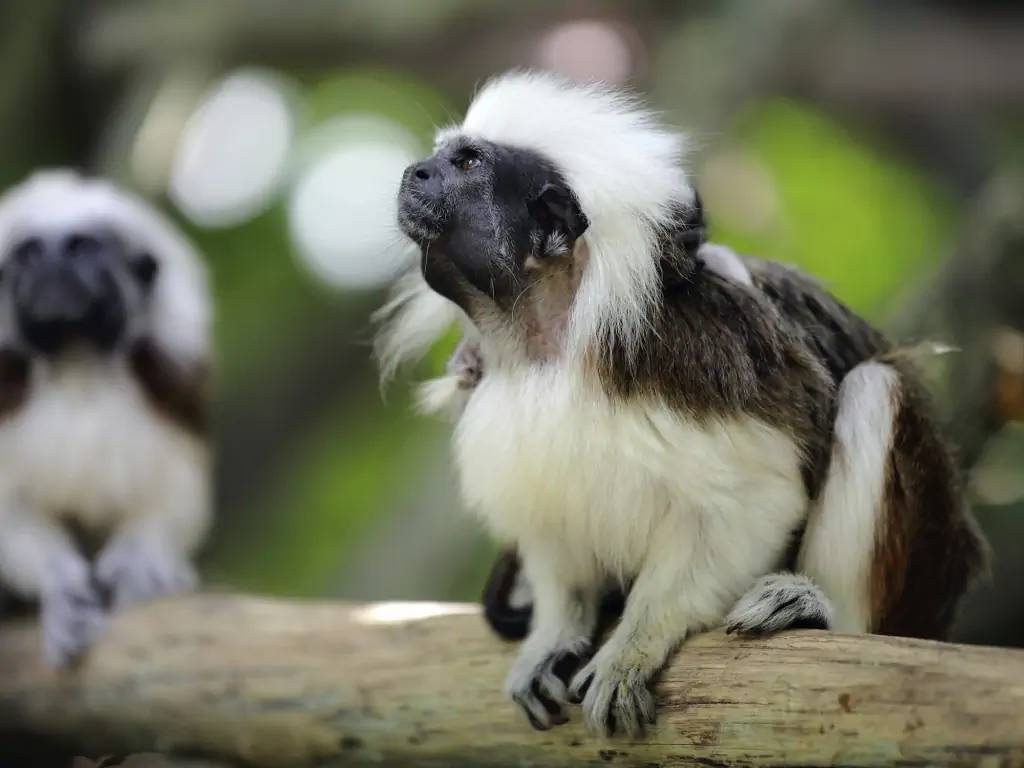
{"x":239,"y":680}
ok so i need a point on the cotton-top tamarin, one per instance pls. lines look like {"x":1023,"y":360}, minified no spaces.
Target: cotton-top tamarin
{"x":714,"y":435}
{"x":104,"y":360}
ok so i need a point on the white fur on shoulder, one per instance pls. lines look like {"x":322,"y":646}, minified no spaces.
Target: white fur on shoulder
{"x":724,"y":262}
{"x":544,"y":455}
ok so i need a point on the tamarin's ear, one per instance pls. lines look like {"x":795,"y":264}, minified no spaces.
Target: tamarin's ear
{"x":556,"y":206}
{"x":693,"y":229}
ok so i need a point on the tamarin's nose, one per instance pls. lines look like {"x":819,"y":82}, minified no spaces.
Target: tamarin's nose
{"x":423,"y":171}
{"x":425,"y":178}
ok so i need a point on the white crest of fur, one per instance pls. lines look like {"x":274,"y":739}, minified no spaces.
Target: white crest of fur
{"x":60,"y":200}
{"x":626,"y":171}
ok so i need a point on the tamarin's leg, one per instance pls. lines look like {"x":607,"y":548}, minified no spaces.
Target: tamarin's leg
{"x":839,"y":541}
{"x":892,"y":543}
{"x":889,"y":541}
{"x":691,"y":574}
{"x":508,"y":599}
{"x":564,"y":614}
{"x":39,"y":561}
{"x":148,"y":556}
{"x":843,"y":531}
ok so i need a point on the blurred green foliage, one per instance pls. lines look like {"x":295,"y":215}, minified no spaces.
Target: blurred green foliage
{"x":859,"y":219}
{"x":333,"y":477}
{"x":409,"y":103}
{"x":331,"y":487}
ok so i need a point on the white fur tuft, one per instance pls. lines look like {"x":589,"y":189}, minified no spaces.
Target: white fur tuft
{"x":412,"y":320}
{"x":724,"y":262}
{"x":443,"y":395}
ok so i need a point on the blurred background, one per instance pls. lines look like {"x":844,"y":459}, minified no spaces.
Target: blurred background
{"x":878,"y":145}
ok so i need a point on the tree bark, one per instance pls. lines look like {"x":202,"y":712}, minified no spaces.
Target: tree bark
{"x":247,"y":681}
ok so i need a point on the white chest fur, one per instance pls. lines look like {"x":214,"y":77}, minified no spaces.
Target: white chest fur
{"x":543,"y":455}
{"x":87,"y":444}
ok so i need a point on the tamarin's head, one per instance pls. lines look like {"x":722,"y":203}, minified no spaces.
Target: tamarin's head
{"x":479,"y":210}
{"x":85,"y":266}
{"x":540,"y":173}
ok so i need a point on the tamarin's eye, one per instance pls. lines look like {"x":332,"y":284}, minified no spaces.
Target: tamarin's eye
{"x":145,"y":267}
{"x":466,"y":162}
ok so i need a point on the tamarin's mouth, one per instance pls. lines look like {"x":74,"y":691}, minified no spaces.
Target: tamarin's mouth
{"x":420,"y":213}
{"x":62,"y":298}
{"x":418,"y":219}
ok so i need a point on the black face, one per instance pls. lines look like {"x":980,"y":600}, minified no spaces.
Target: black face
{"x":478,"y":210}
{"x":74,"y":287}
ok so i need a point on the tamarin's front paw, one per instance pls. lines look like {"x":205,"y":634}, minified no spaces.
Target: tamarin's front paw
{"x":136,"y":570}
{"x":72,"y":613}
{"x":613,"y":689}
{"x":537,"y":683}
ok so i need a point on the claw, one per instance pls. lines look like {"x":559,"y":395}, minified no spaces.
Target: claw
{"x":539,"y":690}
{"x":535,"y":711}
{"x":580,"y":686}
{"x":72,"y":614}
{"x":615,"y":698}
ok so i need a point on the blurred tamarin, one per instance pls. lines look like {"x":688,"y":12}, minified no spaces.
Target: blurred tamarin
{"x":104,"y":360}
{"x":716,"y":436}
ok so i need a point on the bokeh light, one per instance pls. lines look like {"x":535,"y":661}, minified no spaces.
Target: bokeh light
{"x":233,"y":153}
{"x":342,"y":208}
{"x":741,"y":191}
{"x":588,"y":49}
